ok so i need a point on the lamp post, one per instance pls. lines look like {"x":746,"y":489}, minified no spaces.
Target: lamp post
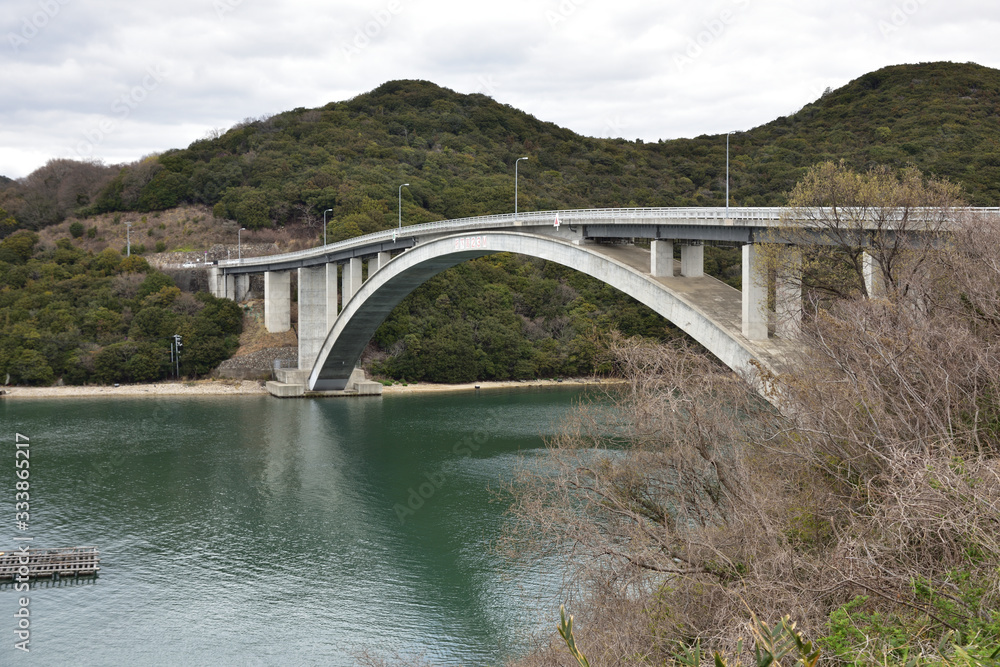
{"x":128,"y":239}
{"x":324,"y":224}
{"x":404,"y":185}
{"x":515,"y":182}
{"x":239,"y":243}
{"x":727,"y":173}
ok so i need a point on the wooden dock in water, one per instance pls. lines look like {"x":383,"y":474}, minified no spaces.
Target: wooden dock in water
{"x":50,"y":563}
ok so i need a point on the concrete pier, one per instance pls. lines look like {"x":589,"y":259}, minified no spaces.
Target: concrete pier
{"x":312,"y":313}
{"x":661,"y":258}
{"x":788,"y":293}
{"x":242,"y":291}
{"x":352,"y":278}
{"x":874,"y":280}
{"x":277,"y":301}
{"x":692,"y":260}
{"x":332,"y":285}
{"x":754,"y":294}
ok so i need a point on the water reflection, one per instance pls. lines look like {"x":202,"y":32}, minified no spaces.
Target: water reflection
{"x":248,"y":530}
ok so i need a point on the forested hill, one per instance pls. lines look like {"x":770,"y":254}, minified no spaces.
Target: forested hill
{"x":492,"y":318}
{"x":457,"y":152}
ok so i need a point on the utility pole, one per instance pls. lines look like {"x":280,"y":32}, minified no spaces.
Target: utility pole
{"x":177,"y":355}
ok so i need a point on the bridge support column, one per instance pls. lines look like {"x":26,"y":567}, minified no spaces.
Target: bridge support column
{"x":242,"y":287}
{"x":352,"y":278}
{"x":214,"y":281}
{"x":277,"y":301}
{"x":312,"y":314}
{"x":661,"y":254}
{"x":874,"y":280}
{"x":229,"y":287}
{"x":788,"y":293}
{"x":754,"y":294}
{"x":380,"y":260}
{"x":331,"y":295}
{"x":693,"y":260}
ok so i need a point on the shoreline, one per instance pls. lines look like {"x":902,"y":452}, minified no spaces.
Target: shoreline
{"x":255,"y":388}
{"x":431,"y":388}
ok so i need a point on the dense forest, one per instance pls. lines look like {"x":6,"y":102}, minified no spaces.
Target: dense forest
{"x":80,"y":318}
{"x":457,"y":153}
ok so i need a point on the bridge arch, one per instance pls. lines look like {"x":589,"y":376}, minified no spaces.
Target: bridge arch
{"x":384,"y":290}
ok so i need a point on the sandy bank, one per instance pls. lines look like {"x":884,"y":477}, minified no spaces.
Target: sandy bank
{"x":485,"y":386}
{"x":199,"y":388}
{"x":247,"y":387}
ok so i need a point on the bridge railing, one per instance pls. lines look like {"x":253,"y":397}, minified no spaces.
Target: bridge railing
{"x":759,"y":216}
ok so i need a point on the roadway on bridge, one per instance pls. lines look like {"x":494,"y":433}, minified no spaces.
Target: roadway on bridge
{"x":717,"y":301}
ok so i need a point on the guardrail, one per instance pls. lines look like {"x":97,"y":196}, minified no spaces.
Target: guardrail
{"x":707,"y":215}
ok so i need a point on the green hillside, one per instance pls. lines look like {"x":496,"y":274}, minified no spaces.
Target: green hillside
{"x":457,"y":152}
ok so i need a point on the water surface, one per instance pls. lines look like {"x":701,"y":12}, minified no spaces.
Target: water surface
{"x":256,"y":531}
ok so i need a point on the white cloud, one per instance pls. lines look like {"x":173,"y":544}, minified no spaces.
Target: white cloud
{"x":625,"y":68}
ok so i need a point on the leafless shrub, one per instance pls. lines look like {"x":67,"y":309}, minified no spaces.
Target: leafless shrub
{"x":685,"y":503}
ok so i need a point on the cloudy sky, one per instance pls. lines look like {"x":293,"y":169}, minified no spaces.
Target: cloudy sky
{"x":114,"y":80}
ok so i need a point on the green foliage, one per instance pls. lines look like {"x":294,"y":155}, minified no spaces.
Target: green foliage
{"x":76,"y":229}
{"x":133,"y":264}
{"x":566,"y":632}
{"x":83,"y":318}
{"x":30,"y":367}
{"x":499,"y":318}
{"x":858,"y":632}
{"x":17,"y":247}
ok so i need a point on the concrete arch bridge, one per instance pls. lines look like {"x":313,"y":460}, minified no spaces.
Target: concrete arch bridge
{"x":339,"y":311}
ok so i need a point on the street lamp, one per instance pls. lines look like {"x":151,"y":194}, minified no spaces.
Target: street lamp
{"x":727,"y":172}
{"x":324,"y":224}
{"x":128,"y":239}
{"x":404,"y":185}
{"x":239,"y":243}
{"x":515,"y":182}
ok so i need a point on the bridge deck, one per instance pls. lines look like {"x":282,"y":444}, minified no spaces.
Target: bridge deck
{"x":719,"y":302}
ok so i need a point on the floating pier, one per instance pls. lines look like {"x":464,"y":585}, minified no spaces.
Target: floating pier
{"x":50,"y":563}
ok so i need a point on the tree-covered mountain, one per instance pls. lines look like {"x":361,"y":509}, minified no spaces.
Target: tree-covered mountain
{"x":457,"y":152}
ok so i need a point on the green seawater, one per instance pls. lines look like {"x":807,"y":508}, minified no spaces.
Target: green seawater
{"x":256,"y":531}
